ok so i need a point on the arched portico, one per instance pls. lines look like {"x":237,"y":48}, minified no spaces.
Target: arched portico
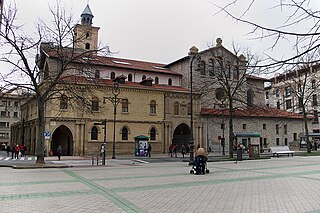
{"x":181,"y":135}
{"x":62,"y":136}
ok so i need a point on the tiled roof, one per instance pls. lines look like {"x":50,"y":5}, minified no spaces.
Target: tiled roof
{"x":118,"y":63}
{"x":253,"y":112}
{"x":127,"y":84}
{"x":87,"y":11}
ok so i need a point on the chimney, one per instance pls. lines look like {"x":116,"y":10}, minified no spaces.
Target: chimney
{"x":147,"y":82}
{"x":121,"y":79}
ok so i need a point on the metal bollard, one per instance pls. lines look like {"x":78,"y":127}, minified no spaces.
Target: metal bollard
{"x":97,"y":160}
{"x":92,"y":160}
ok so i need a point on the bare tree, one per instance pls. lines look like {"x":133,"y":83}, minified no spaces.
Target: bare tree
{"x":300,"y":26}
{"x":20,"y":48}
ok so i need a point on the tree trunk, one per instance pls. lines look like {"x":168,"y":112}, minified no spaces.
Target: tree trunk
{"x":230,"y":118}
{"x":305,"y":121}
{"x":41,"y":126}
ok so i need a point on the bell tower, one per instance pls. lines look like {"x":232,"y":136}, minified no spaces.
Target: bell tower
{"x":86,"y":35}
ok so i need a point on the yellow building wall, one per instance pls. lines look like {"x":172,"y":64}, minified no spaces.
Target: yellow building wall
{"x":137,"y":120}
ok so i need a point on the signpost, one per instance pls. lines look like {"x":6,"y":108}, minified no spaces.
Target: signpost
{"x":47,"y":135}
{"x":104,"y":140}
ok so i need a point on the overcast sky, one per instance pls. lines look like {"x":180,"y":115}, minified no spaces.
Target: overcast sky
{"x":163,"y":30}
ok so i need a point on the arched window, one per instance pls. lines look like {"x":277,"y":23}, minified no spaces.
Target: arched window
{"x":63,"y":102}
{"x":153,"y":134}
{"x":143,"y":77}
{"x":220,"y":94}
{"x":211,"y":67}
{"x":219,"y":67}
{"x":202,"y":68}
{"x":277,"y":93}
{"x":176,"y":108}
{"x":94,"y":133}
{"x":170,"y":82}
{"x":228,"y":70}
{"x":124,"y":133}
{"x":112,"y":75}
{"x":156,"y":81}
{"x":236,"y":73}
{"x":87,"y":35}
{"x":250,"y":96}
{"x":299,"y":88}
{"x":87,"y":47}
{"x":153,"y":109}
{"x":95,"y":104}
{"x":130,"y":77}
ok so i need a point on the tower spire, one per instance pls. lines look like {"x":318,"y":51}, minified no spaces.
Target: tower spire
{"x":87,"y":16}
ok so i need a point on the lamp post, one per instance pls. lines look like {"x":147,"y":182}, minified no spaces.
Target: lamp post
{"x":194,"y":55}
{"x":115,"y":101}
{"x":223,"y":125}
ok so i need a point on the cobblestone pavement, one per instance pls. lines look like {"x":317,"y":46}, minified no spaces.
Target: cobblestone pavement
{"x":275,"y":185}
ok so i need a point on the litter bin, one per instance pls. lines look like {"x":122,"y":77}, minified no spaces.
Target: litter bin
{"x":239,"y":154}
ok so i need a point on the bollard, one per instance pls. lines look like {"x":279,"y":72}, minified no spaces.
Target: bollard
{"x":97,"y":160}
{"x":92,"y":160}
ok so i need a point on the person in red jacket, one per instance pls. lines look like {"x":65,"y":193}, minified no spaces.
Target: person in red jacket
{"x":16,"y":151}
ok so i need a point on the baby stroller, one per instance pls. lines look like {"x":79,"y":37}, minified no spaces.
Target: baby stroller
{"x":200,"y":163}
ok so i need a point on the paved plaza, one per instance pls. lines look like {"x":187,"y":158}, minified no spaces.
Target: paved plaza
{"x":274,"y":185}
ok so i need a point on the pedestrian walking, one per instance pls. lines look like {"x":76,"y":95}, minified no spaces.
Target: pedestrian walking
{"x":8,"y":150}
{"x":149,"y":150}
{"x":170,"y":150}
{"x":183,"y":150}
{"x":174,"y":149}
{"x":102,"y":148}
{"x":187,"y":149}
{"x":59,"y":151}
{"x":16,"y":152}
{"x":21,"y":147}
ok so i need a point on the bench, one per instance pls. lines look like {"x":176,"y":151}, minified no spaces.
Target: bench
{"x":281,"y":150}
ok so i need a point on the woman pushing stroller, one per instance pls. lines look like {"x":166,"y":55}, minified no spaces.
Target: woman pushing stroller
{"x":200,"y":162}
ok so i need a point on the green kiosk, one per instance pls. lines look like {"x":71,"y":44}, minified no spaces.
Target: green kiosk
{"x":141,"y":145}
{"x":252,"y":147}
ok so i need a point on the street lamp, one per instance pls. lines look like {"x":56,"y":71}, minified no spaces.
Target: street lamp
{"x":115,"y":101}
{"x":222,"y":106}
{"x":194,"y":55}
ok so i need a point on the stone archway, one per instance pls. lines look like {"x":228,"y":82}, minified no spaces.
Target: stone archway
{"x":62,"y":136}
{"x":181,"y":135}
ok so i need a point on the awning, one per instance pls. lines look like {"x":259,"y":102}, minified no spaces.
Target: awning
{"x":141,"y":137}
{"x":246,"y":134}
{"x":313,"y":134}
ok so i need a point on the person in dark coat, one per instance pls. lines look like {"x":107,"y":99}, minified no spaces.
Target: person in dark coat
{"x":8,"y":150}
{"x":183,"y":150}
{"x":59,"y":151}
{"x":149,"y":150}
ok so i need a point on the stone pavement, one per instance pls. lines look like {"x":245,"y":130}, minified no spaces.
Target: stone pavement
{"x":274,"y":185}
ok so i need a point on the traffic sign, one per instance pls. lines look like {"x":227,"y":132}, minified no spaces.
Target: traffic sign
{"x":47,"y":135}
